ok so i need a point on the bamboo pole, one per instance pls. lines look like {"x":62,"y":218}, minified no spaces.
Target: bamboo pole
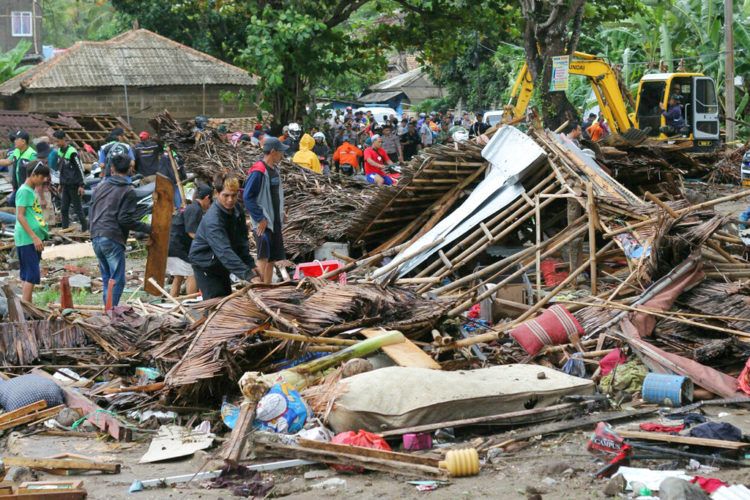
{"x":555,"y":247}
{"x":544,"y":185}
{"x":538,"y":257}
{"x":591,"y":209}
{"x":682,"y":211}
{"x":494,"y":335}
{"x":675,"y":317}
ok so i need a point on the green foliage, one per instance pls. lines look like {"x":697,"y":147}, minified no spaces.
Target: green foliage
{"x":10,"y":62}
{"x":296,"y":48}
{"x":68,"y":21}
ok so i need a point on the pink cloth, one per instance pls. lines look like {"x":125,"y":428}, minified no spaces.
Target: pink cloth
{"x":608,"y":362}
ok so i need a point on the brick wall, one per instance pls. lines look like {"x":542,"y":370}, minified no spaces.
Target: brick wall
{"x":182,"y":102}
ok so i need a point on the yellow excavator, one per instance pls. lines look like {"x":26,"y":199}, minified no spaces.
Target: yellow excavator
{"x":695,"y":91}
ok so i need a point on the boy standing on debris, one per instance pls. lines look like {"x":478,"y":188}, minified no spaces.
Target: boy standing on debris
{"x":264,"y":200}
{"x":221,"y":247}
{"x":113,"y":216}
{"x":71,"y":180}
{"x":31,"y":229}
{"x":184,"y":226}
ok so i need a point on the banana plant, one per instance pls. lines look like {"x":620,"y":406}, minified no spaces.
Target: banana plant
{"x":10,"y":62}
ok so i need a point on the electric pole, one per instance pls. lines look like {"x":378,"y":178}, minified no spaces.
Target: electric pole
{"x":729,"y":70}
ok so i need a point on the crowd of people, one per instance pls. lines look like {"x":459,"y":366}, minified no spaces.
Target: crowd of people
{"x":209,"y":240}
{"x":356,"y":143}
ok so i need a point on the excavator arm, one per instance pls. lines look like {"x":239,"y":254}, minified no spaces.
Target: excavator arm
{"x":603,"y":82}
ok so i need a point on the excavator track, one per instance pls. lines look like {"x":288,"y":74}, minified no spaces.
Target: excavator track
{"x":632,"y":137}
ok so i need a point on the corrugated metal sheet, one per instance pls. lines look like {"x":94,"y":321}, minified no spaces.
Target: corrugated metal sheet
{"x":376,"y":97}
{"x":137,"y":58}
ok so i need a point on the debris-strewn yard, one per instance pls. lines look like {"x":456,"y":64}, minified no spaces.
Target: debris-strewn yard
{"x":520,"y":316}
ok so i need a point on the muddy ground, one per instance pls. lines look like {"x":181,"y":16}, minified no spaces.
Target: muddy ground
{"x":558,"y":467}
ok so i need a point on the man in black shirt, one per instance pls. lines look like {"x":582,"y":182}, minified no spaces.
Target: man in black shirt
{"x":147,"y":153}
{"x":184,"y":225}
{"x":221,"y":245}
{"x":71,"y":180}
{"x":410,"y":142}
{"x":479,"y":127}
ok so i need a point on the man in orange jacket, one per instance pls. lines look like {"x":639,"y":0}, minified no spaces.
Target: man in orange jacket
{"x":347,"y":157}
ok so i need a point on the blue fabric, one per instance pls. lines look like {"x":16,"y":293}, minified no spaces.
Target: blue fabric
{"x":111,"y":256}
{"x":6,"y":218}
{"x":28,"y":259}
{"x":386,"y":179}
{"x":745,"y":216}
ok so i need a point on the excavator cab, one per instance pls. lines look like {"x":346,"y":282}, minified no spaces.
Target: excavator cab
{"x":696,"y":96}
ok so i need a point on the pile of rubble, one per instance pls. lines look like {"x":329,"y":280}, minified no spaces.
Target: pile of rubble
{"x":506,"y":291}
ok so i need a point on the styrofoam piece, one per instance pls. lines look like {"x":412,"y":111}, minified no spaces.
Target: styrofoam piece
{"x":650,"y":478}
{"x":734,"y":492}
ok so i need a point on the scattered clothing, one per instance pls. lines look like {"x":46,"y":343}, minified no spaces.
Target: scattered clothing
{"x":626,"y":378}
{"x":652,"y":427}
{"x":717,"y":430}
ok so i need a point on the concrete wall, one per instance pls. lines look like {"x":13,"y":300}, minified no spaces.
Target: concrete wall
{"x":182,"y":102}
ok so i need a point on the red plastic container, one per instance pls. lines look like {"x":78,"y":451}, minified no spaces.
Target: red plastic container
{"x":318,"y":268}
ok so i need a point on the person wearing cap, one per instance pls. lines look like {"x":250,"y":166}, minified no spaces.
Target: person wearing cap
{"x":264,"y":201}
{"x":478,"y":127}
{"x":70,"y":169}
{"x":18,"y":160}
{"x":117,"y":145}
{"x":376,"y":160}
{"x":221,"y":247}
{"x":392,"y":143}
{"x":147,"y":154}
{"x":184,"y":226}
{"x":31,"y":229}
{"x":305,"y":157}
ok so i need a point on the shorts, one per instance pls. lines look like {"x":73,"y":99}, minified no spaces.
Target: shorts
{"x":386,"y":179}
{"x":29,"y":261}
{"x":178,"y":267}
{"x":270,"y":246}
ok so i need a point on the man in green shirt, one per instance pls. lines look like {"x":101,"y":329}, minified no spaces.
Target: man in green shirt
{"x":18,"y":160}
{"x":31,"y":228}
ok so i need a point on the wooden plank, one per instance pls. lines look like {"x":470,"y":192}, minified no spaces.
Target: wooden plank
{"x":235,"y":447}
{"x":406,"y":458}
{"x":161,"y":223}
{"x":31,"y":417}
{"x":95,"y":414}
{"x":405,"y":353}
{"x":67,"y":464}
{"x":669,"y":438}
{"x":24,"y":410}
{"x":69,"y":251}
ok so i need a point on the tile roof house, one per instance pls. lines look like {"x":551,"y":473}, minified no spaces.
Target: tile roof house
{"x":135,"y":75}
{"x":408,"y":88}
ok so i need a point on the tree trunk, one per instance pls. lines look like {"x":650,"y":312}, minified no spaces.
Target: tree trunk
{"x":551,"y":32}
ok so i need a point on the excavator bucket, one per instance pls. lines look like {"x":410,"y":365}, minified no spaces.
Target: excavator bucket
{"x":632,"y":137}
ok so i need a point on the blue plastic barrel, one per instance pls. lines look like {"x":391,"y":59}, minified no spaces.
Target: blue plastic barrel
{"x":667,"y":390}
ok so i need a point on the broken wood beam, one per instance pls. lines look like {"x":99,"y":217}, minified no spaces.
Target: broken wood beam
{"x":676,"y":439}
{"x":61,"y":464}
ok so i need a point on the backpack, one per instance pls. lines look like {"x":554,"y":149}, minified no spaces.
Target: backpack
{"x":112,"y":149}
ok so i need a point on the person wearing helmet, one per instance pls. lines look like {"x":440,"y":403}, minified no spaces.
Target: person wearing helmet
{"x":322,"y":151}
{"x":294,"y":135}
{"x":376,"y":162}
{"x":391,"y":143}
{"x":305,"y":157}
{"x":422,"y":118}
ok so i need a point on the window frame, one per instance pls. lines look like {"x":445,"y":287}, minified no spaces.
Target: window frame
{"x":20,"y":15}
